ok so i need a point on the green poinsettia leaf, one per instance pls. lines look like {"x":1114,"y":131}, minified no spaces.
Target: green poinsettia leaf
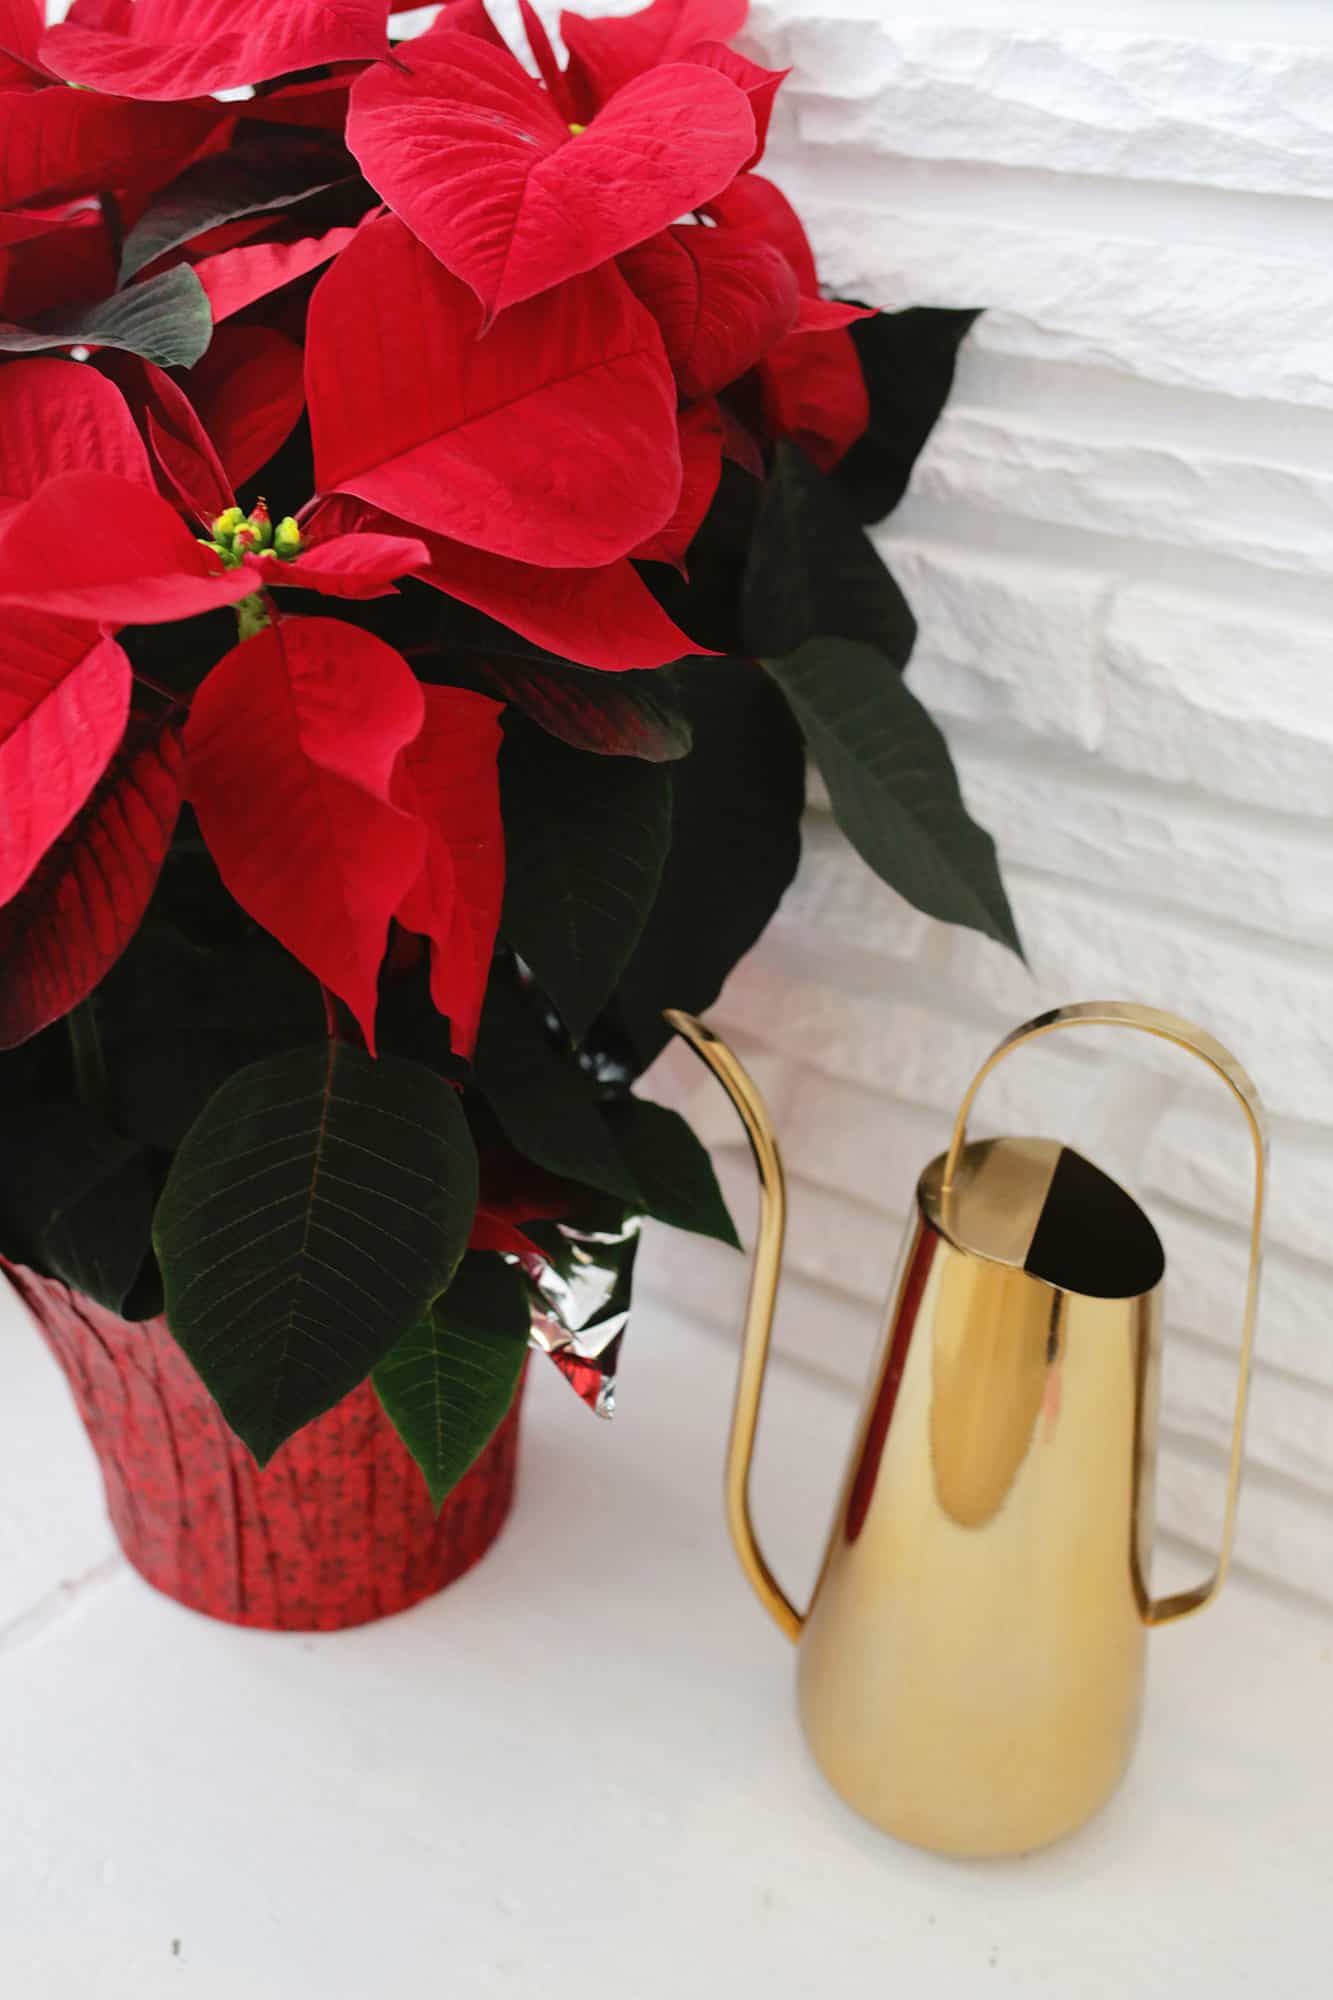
{"x":448,"y":1383}
{"x":892,"y":784}
{"x":178,"y":1019}
{"x":735,"y":842}
{"x":585,"y":841}
{"x":166,"y":319}
{"x":546,"y":1105}
{"x":97,"y":1241}
{"x":908,"y":360}
{"x":76,"y":1197}
{"x":672,"y":1168}
{"x":317,"y":1206}
{"x":269,"y":171}
{"x":813,"y":571}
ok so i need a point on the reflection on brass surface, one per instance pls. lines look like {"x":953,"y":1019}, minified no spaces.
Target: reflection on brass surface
{"x":989,"y":1381}
{"x":971,"y":1666}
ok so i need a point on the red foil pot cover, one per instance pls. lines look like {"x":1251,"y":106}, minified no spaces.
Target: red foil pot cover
{"x":336,"y":1530}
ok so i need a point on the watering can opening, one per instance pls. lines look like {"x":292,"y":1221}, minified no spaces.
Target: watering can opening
{"x":1040,"y":1207}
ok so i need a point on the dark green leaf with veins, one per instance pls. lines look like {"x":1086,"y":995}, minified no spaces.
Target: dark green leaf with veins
{"x":585,"y":841}
{"x":450,"y":1380}
{"x":316,"y":1208}
{"x":672,"y":1168}
{"x":76,"y":1198}
{"x":892,"y":784}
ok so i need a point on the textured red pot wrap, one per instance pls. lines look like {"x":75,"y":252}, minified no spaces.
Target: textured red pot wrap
{"x":337,"y":1529}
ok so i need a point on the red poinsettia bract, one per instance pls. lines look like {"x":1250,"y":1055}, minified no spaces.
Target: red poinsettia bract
{"x":190,"y":48}
{"x":517,"y":353}
{"x":471,"y":153}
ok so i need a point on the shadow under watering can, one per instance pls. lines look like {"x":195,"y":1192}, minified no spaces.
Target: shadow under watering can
{"x":971,"y":1664}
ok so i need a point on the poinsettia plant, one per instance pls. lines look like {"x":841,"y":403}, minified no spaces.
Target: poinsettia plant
{"x":432,"y":503}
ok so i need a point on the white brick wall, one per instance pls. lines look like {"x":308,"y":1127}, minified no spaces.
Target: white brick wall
{"x":1119,"y":547}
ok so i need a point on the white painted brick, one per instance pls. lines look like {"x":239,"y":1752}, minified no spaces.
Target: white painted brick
{"x":857,"y":1143}
{"x":1281,"y":1534}
{"x":1270,"y":1007}
{"x":1240,"y":114}
{"x":1132,"y":487}
{"x":1225,"y":700}
{"x":899,"y":1048}
{"x":1200,"y":1159}
{"x":1195,"y":316}
{"x":1036,"y":632}
{"x":1159,"y":684}
{"x":834,"y":1241}
{"x":1271,"y":875}
{"x":1205,"y":1291}
{"x":1291,"y":1435}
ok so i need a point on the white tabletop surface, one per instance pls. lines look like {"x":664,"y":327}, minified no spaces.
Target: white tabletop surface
{"x":578,"y":1772}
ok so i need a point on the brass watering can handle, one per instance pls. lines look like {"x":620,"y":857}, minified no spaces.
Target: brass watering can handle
{"x":1168,"y":1028}
{"x":758,"y":1313}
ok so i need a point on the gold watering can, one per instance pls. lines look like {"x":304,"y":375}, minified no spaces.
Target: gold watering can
{"x":971,"y":1664}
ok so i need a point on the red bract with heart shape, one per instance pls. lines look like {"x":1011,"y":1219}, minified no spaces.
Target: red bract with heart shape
{"x":605,"y":54}
{"x":552,"y":439}
{"x":470,"y":152}
{"x":426,"y":467}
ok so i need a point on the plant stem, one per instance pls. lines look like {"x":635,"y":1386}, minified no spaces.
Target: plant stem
{"x":85,"y":1043}
{"x":167,"y":694}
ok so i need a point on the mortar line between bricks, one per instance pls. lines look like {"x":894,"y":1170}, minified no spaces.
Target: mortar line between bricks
{"x":1284,"y":1130}
{"x":798,"y":969}
{"x":1090,"y":774}
{"x":1272,"y":226}
{"x":1207,"y":1457}
{"x":877,"y":976}
{"x":867,"y":974}
{"x":1273,"y":1371}
{"x":1228,"y":930}
{"x":1288,"y":25}
{"x":1189,"y":577}
{"x":1234,"y":1235}
{"x":1005,"y":737}
{"x":823,"y":815}
{"x":51,"y":1609}
{"x":910,"y":986}
{"x":1080,"y":402}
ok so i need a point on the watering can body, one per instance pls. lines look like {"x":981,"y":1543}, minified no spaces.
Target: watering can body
{"x":971,"y":1665}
